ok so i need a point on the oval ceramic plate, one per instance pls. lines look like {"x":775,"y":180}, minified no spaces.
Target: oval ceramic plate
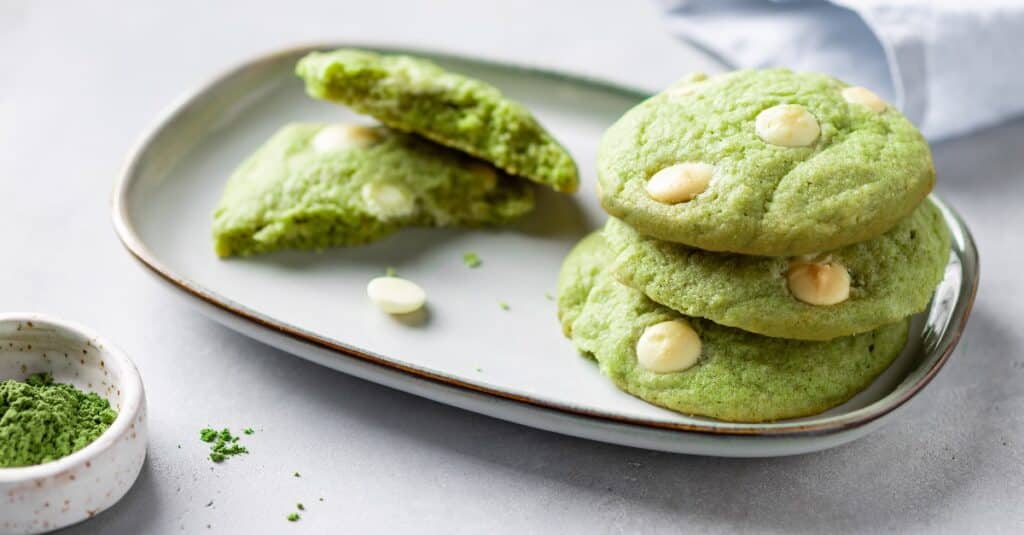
{"x":468,"y":350}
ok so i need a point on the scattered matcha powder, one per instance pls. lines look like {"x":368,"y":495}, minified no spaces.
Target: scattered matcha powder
{"x":471,"y":259}
{"x":248,"y":431}
{"x":41,"y":421}
{"x":222,"y":444}
{"x":503,"y":305}
{"x":548,"y":296}
{"x":296,"y":474}
{"x":390,"y":272}
{"x":293,"y":517}
{"x":300,"y":506}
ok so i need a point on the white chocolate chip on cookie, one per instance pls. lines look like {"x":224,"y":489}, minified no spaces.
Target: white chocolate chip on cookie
{"x":395,"y":295}
{"x":688,"y":85}
{"x":787,"y":125}
{"x":680,"y":182}
{"x":864,"y":97}
{"x":824,"y":282}
{"x":683,"y":90}
{"x":669,"y":346}
{"x":388,"y":201}
{"x":343,"y":137}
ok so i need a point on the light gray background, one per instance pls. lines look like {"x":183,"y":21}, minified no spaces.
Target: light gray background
{"x":80,"y":81}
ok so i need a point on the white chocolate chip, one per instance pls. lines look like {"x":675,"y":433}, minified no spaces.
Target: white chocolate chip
{"x":825,"y":282}
{"x":680,"y":182}
{"x":688,"y":85}
{"x":341,"y":137}
{"x":669,"y":346}
{"x":788,"y":125}
{"x":864,"y":97}
{"x":388,"y":201}
{"x":396,"y":295}
{"x":684,"y":90}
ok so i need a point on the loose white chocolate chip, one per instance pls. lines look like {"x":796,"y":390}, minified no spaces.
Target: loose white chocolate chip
{"x":395,"y":295}
{"x":387,"y":200}
{"x":669,"y":346}
{"x":788,"y":125}
{"x":343,"y":137}
{"x":864,"y":97}
{"x":819,"y":283}
{"x":680,"y":182}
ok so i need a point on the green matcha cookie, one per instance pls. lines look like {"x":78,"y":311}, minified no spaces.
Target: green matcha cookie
{"x":315,"y":186}
{"x":416,"y":95}
{"x":889,"y":278}
{"x":735,"y":375}
{"x":763,"y":162}
{"x":585,"y":262}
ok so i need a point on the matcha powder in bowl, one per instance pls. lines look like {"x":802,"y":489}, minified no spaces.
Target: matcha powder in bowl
{"x":72,"y":424}
{"x":42,"y":421}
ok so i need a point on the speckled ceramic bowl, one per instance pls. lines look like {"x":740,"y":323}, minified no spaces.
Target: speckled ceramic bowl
{"x":49,"y":496}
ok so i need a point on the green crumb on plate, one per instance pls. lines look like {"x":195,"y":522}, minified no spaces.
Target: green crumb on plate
{"x":296,"y":474}
{"x":300,"y":507}
{"x":471,"y":259}
{"x":248,"y":430}
{"x":548,"y":296}
{"x":293,"y":517}
{"x":503,"y":305}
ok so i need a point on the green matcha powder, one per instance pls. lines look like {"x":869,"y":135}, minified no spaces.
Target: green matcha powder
{"x":41,"y":421}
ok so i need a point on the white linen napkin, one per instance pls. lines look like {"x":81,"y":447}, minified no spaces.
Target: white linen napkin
{"x":952,"y":66}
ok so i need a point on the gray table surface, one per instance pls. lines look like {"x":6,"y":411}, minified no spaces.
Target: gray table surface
{"x":80,"y":81}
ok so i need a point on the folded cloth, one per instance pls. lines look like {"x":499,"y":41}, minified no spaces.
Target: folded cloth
{"x":950,"y":65}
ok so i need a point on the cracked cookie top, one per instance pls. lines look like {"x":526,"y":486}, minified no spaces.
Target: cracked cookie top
{"x":886,"y":279}
{"x":416,"y":95}
{"x":763,"y":162}
{"x":727,"y":373}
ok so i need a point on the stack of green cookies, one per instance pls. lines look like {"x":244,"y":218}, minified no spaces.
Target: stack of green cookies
{"x":452,"y":151}
{"x":770,"y":238}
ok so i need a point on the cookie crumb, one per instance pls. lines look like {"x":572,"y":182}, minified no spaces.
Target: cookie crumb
{"x":471,"y":259}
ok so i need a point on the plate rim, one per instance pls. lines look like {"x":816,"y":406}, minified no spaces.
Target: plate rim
{"x":136,"y":247}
